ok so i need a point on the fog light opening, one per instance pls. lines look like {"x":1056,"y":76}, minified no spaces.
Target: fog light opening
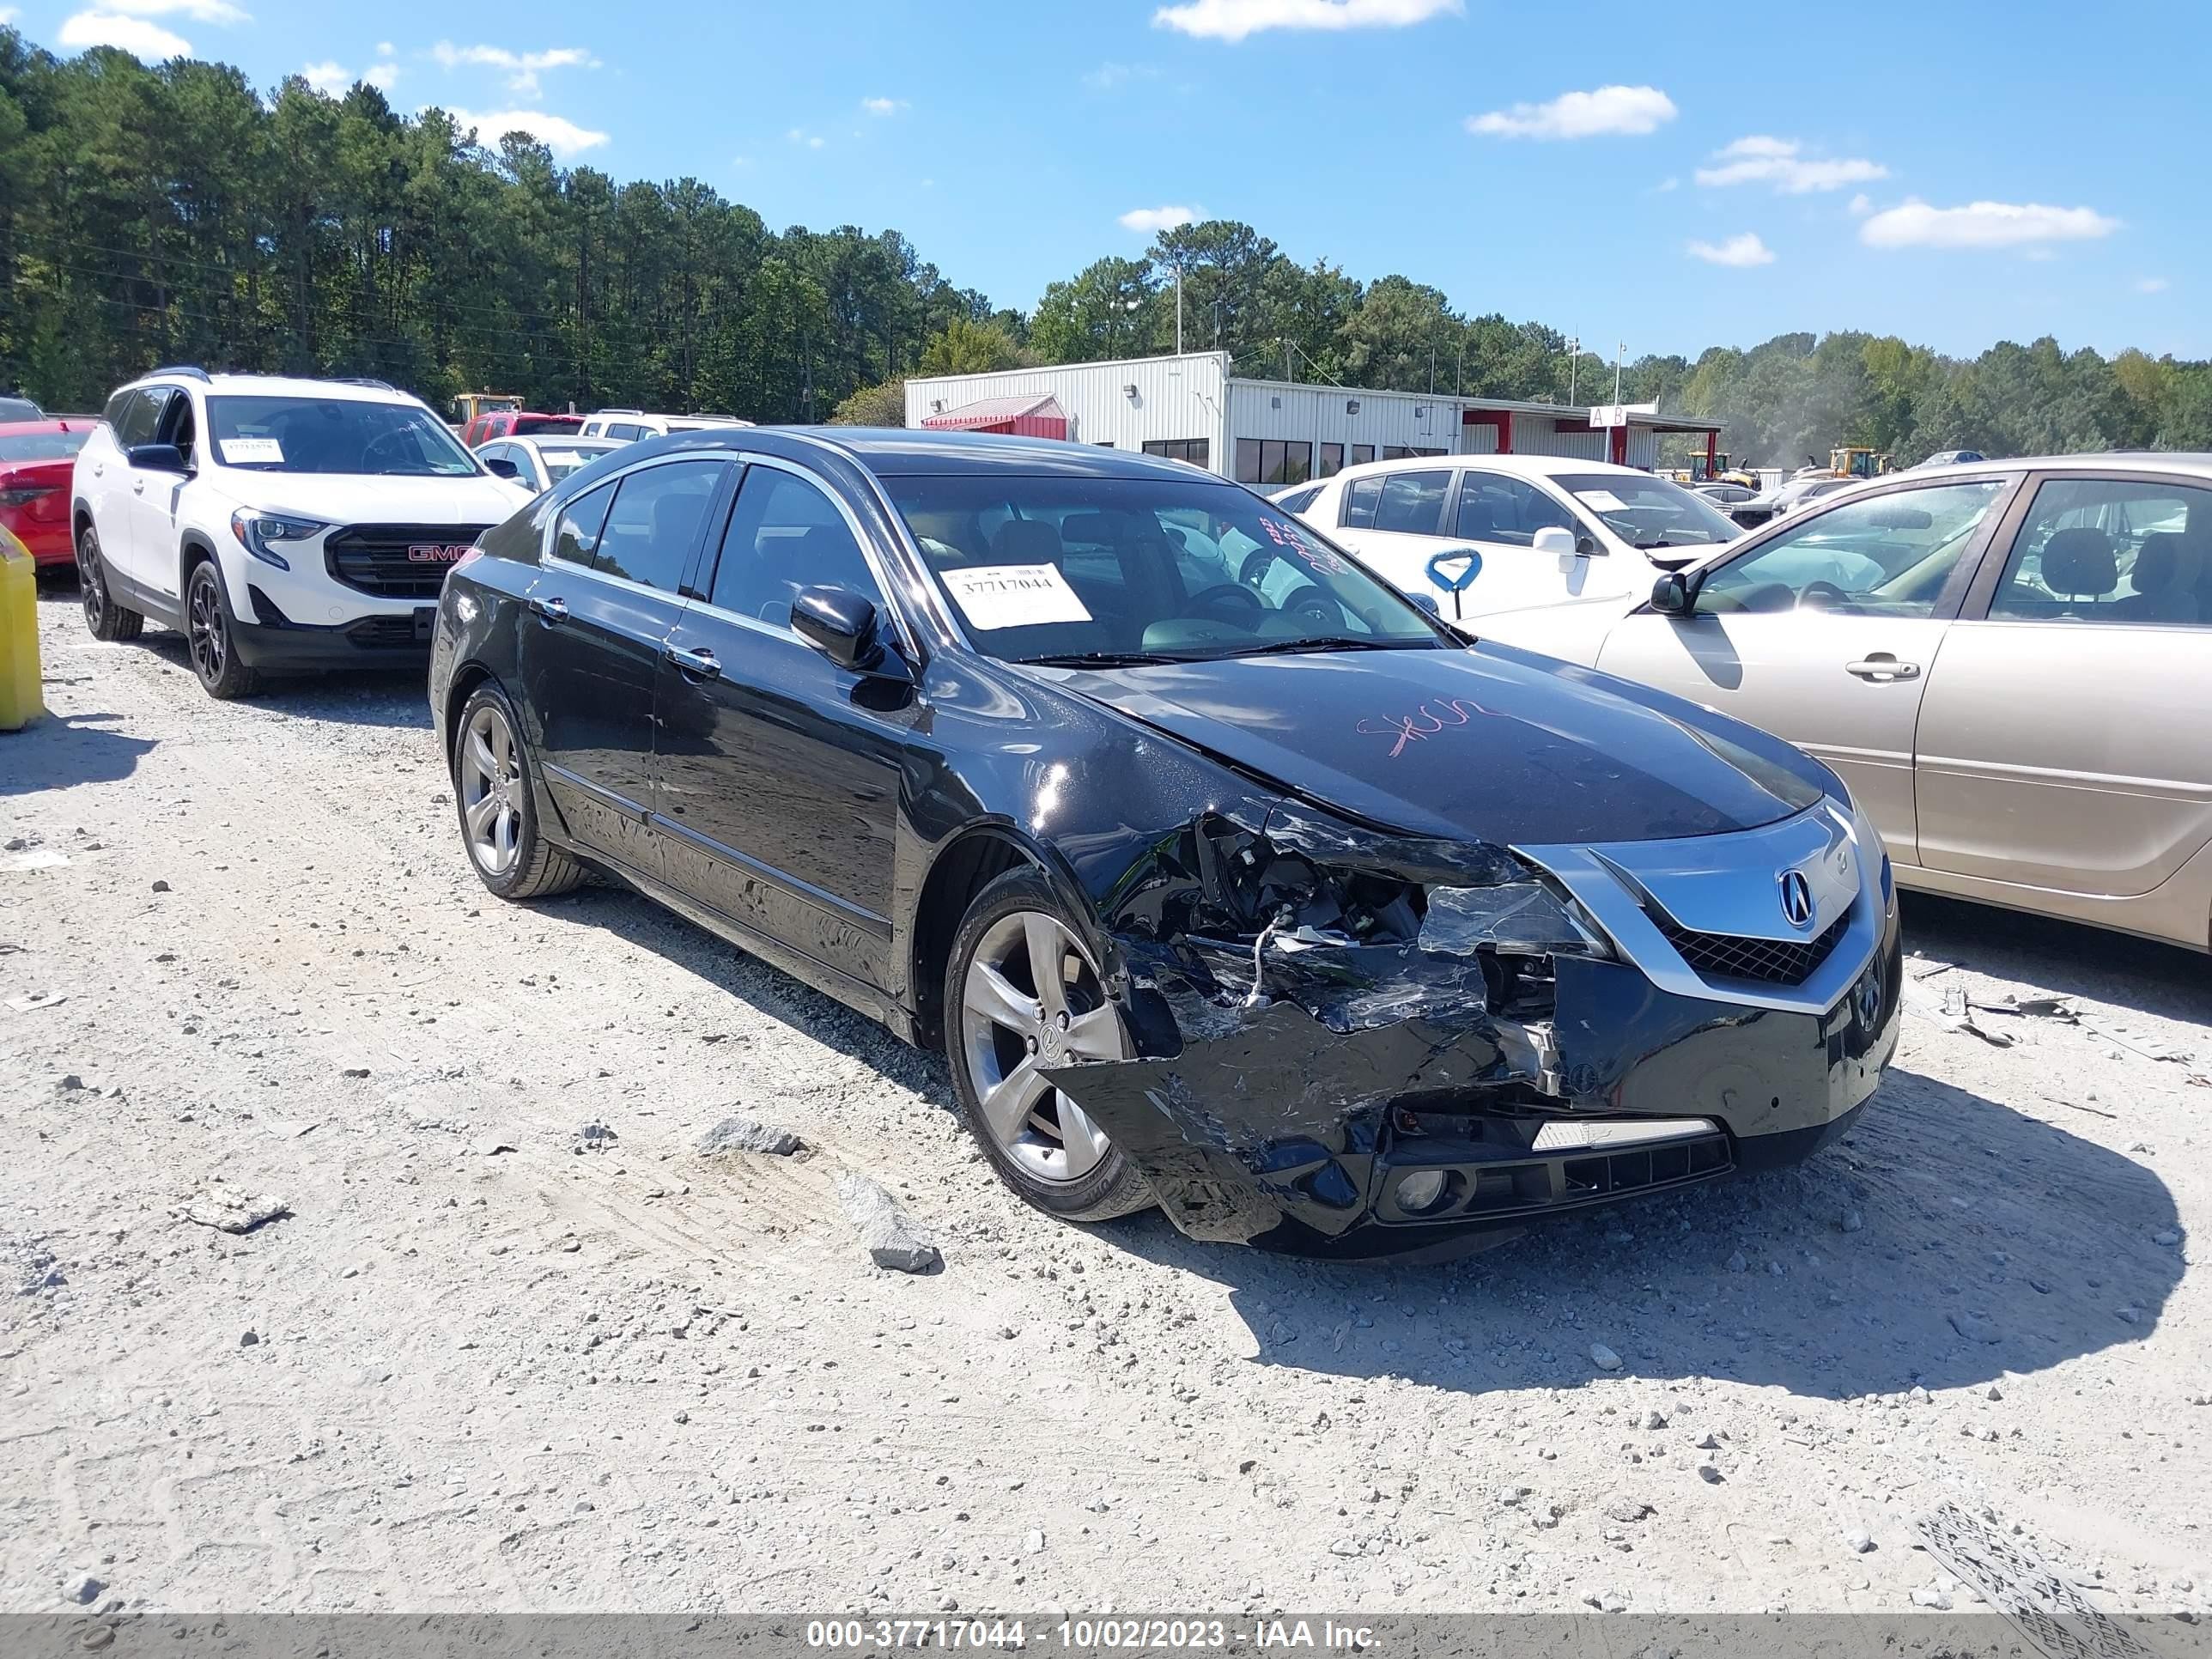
{"x":1422,"y":1191}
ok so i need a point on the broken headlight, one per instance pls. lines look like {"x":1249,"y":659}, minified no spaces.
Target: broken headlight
{"x":1520,"y":918}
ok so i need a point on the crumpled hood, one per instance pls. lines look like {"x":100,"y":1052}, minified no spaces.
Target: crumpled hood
{"x":1488,"y":743}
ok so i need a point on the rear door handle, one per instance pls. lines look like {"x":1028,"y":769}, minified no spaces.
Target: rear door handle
{"x":1881,"y":667}
{"x":693,"y":659}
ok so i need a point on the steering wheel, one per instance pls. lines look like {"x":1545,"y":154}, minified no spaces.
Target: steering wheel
{"x":1253,"y":570}
{"x":1309,"y":605}
{"x":1822,"y":596}
{"x":1252,"y":604}
{"x":369,"y":450}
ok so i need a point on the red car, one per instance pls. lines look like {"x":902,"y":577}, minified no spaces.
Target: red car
{"x":36,"y":458}
{"x":516,"y":423}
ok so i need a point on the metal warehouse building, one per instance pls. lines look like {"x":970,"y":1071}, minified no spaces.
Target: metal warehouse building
{"x":1267,"y":431}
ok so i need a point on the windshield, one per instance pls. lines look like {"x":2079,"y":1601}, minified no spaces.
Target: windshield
{"x":560,"y":461}
{"x":1647,"y":512}
{"x":1055,"y":569}
{"x":41,"y":446}
{"x":335,"y":435}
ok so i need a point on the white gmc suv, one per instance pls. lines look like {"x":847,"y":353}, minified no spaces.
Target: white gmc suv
{"x":283,"y":525}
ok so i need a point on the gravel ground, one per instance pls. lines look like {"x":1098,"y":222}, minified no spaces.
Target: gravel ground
{"x":514,"y":1342}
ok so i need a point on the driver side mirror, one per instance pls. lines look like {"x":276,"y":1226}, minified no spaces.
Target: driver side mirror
{"x":157,"y":458}
{"x":1560,"y":541}
{"x":1672,"y":595}
{"x":839,"y":624}
{"x":499,"y":467}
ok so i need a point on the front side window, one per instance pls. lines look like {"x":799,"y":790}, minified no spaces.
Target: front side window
{"x":1650,"y":512}
{"x":1055,"y":570}
{"x":654,"y":522}
{"x":1272,"y":461}
{"x":141,"y":416}
{"x":785,"y":534}
{"x":1889,"y":556}
{"x":335,"y":435}
{"x":2100,"y":551}
{"x":577,"y":534}
{"x":1493,"y":508}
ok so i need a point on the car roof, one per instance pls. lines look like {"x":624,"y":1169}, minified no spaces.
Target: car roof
{"x":2113,"y":460}
{"x":278,"y":385}
{"x":565,"y":441}
{"x":1535,"y":467}
{"x":891,"y":452}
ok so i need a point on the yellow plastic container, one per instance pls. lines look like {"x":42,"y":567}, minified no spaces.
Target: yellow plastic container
{"x":19,"y":635}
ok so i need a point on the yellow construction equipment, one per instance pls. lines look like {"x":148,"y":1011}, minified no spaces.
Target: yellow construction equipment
{"x":20,"y":702}
{"x":1857,"y":461}
{"x":470,"y":404}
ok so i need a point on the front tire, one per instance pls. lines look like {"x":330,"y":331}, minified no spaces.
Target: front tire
{"x":105,"y":618}
{"x":495,"y":795}
{"x":212,"y":633}
{"x":1021,"y":993}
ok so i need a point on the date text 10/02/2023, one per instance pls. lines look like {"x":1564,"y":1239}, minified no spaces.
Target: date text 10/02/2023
{"x":1086,"y":1635}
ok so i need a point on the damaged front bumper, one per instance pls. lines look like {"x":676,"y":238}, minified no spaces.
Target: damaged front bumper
{"x":1314,"y":1090}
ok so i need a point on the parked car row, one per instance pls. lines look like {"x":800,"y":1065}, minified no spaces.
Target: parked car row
{"x":1226,"y":877}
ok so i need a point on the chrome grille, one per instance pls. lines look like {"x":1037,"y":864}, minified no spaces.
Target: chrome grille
{"x":373,"y":558}
{"x":1764,"y":961}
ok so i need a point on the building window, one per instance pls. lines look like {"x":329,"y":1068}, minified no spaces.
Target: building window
{"x":1361,"y":454}
{"x":1199,"y":452}
{"x":1332,"y":460}
{"x":1402,"y":452}
{"x":1272,"y":461}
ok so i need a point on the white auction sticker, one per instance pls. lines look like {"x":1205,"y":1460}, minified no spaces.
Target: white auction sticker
{"x":1015,"y":595}
{"x":245,"y":452}
{"x":1604,"y":500}
{"x":563,"y":458}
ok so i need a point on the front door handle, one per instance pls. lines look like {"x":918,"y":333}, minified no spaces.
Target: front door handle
{"x":693,"y":659}
{"x":555,"y":610}
{"x":1882,"y":668}
{"x":137,"y":486}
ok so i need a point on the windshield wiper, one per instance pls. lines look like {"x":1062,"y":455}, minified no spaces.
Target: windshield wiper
{"x":1101,"y":659}
{"x":1330,"y":643}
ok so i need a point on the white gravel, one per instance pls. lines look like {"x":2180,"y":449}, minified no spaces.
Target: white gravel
{"x":495,"y":1365}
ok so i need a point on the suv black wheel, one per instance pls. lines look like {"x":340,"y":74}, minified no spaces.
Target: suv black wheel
{"x":493,"y":782}
{"x":106,"y":619}
{"x":210,"y":631}
{"x":1021,"y":994}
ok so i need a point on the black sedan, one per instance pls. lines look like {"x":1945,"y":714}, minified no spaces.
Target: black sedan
{"x":1226,"y":879}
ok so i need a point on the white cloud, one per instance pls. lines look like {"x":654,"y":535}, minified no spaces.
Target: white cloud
{"x":1110,"y":75}
{"x":7,"y":14}
{"x":2153,"y":285}
{"x":1782,"y":162}
{"x":1740,"y":251}
{"x":557,"y":133}
{"x":883,"y":106}
{"x":1982,"y":224}
{"x":523,"y":67}
{"x":1151,"y":221}
{"x":200,"y":11}
{"x":809,"y":140}
{"x":384,"y":49}
{"x":1861,"y":204}
{"x":132,"y":35}
{"x":328,"y":78}
{"x":1603,"y":112}
{"x":1233,"y":20}
{"x":1669,"y":183}
{"x":382,"y":77}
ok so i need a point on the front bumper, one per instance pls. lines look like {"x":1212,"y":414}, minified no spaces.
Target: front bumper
{"x":1285,"y":1124}
{"x":269,"y":640}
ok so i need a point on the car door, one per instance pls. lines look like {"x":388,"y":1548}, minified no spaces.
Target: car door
{"x":152,"y":503}
{"x":1498,"y":515}
{"x":122,"y":487}
{"x":780,"y":771}
{"x":2064,"y":742}
{"x":1824,"y":634}
{"x":1396,"y":522}
{"x":608,"y":593}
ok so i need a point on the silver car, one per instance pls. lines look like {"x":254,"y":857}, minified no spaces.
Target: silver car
{"x":2010,"y":662}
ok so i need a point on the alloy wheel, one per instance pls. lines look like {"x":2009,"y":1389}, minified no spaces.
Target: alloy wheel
{"x":491,"y":791}
{"x":91,"y":589}
{"x":1031,"y":1002}
{"x":205,"y":629}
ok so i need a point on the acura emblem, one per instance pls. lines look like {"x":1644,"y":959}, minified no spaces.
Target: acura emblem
{"x":1796,"y":898}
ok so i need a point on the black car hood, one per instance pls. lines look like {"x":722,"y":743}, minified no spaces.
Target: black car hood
{"x":1488,"y":743}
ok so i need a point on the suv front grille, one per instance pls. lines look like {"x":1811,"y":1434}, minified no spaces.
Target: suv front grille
{"x":375,"y":558}
{"x":1765,"y":961}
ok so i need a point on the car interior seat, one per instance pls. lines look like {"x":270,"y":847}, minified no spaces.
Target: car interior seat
{"x":2079,"y":563}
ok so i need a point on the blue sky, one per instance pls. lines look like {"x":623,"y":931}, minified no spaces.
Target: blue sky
{"x":1955,"y":173}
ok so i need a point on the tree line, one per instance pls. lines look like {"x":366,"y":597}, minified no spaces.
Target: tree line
{"x":175,"y":213}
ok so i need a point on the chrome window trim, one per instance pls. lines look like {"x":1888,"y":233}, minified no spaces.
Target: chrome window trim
{"x":550,"y":533}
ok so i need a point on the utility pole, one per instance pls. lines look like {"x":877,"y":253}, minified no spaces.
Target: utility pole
{"x":1178,"y":270}
{"x":1619,"y":351}
{"x":1574,"y":362}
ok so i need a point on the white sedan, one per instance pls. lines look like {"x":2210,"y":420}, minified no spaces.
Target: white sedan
{"x":1550,"y":528}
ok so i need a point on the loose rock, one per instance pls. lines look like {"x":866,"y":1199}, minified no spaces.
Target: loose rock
{"x":86,"y":1591}
{"x":738,"y":1133}
{"x":1976,"y":1326}
{"x":892,"y":1239}
{"x":1604,"y":1357}
{"x":1860,"y":1542}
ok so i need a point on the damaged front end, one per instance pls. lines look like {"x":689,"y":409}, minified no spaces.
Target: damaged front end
{"x":1353,"y":1043}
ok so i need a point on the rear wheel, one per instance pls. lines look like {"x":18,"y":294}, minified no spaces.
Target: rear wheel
{"x":210,"y":632}
{"x":106,"y":619}
{"x":493,"y":792}
{"x":1021,"y":997}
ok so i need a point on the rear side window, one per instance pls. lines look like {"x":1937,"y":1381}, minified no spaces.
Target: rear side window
{"x":1410,"y":503}
{"x":577,"y":535}
{"x":655,"y":523}
{"x":627,"y":431}
{"x":2104,"y":550}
